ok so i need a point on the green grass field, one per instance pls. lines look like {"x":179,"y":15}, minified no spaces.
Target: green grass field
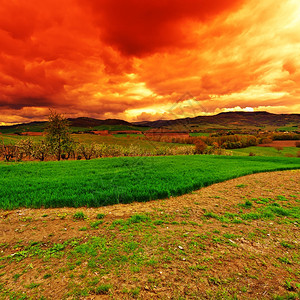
{"x":199,"y":134}
{"x":124,"y":140}
{"x":266,"y":151}
{"x":40,"y":127}
{"x":122,"y":180}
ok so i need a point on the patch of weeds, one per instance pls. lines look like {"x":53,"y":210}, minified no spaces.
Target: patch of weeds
{"x":4,"y":245}
{"x":216,"y":239}
{"x":289,"y":296}
{"x":135,"y":269}
{"x":100,"y":216}
{"x":152,"y":262}
{"x":211,"y":215}
{"x":246,"y":204}
{"x":198,"y":267}
{"x":289,"y":285}
{"x":93,"y":281}
{"x":134,"y":292}
{"x":281,"y":198}
{"x":96,"y":224}
{"x":62,"y":216}
{"x":284,"y":260}
{"x":241,"y":185}
{"x":79,"y":216}
{"x":56,"y":248}
{"x":48,"y":275}
{"x":158,"y":222}
{"x":83,"y":228}
{"x":77,"y":293}
{"x":118,"y":222}
{"x":16,"y":276}
{"x":102,"y":289}
{"x":287,"y":245}
{"x":244,"y":289}
{"x":215,"y":280}
{"x":26,"y":219}
{"x":33,"y":285}
{"x":263,"y":200}
{"x":138,"y":219}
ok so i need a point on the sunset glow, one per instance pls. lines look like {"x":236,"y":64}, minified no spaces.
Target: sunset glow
{"x":147,"y":60}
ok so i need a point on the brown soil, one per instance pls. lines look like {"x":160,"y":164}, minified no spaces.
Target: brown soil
{"x":249,"y":270}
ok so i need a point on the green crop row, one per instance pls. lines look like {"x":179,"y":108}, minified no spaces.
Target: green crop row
{"x":123,"y":179}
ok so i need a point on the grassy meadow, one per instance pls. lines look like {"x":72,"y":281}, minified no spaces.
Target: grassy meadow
{"x":265,"y":151}
{"x":108,"y":181}
{"x":124,"y":140}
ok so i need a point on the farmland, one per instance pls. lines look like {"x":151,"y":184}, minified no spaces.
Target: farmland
{"x":266,"y":151}
{"x":233,"y":240}
{"x":123,"y":179}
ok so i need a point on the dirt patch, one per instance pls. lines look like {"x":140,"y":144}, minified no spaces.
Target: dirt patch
{"x":215,"y":243}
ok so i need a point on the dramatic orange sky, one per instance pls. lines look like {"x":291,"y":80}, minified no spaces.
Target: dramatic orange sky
{"x":147,"y":59}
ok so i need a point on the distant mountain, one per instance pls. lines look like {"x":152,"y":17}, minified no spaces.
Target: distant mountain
{"x":260,"y":118}
{"x":230,"y":119}
{"x":90,"y":122}
{"x":81,"y":122}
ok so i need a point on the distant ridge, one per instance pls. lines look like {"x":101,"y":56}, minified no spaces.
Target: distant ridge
{"x":81,"y":122}
{"x":230,"y":118}
{"x":90,"y":122}
{"x":261,"y":118}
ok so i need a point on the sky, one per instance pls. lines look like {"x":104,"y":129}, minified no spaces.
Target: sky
{"x":140,"y":60}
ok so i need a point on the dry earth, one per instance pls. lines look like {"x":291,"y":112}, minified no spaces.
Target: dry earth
{"x":180,"y":251}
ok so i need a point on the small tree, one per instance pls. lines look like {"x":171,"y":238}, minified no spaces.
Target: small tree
{"x":25,"y":148}
{"x":40,"y":150}
{"x":87,"y":150}
{"x":58,"y":134}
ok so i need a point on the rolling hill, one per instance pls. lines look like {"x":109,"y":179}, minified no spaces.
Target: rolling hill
{"x":227,"y":119}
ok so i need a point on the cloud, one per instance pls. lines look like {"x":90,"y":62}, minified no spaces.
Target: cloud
{"x":113,"y":58}
{"x":142,"y":27}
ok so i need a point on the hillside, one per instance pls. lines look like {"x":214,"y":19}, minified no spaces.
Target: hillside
{"x":81,"y":123}
{"x":228,"y":119}
{"x":231,"y":118}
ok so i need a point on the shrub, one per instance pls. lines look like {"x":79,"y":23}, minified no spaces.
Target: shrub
{"x":200,"y":147}
{"x":88,"y":151}
{"x":24,"y":148}
{"x":40,"y":150}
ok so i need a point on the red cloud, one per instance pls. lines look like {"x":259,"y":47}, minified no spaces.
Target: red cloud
{"x":115,"y":58}
{"x":139,"y":27}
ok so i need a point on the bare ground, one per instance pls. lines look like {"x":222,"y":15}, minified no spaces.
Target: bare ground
{"x":184,"y":250}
